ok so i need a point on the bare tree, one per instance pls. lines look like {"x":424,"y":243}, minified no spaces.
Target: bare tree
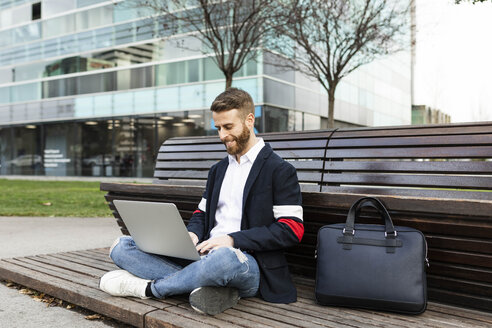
{"x":231,"y":29}
{"x":328,"y":39}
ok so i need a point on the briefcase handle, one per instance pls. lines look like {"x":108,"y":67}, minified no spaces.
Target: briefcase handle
{"x":354,"y":211}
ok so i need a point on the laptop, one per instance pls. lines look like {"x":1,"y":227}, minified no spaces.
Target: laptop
{"x":157,"y":228}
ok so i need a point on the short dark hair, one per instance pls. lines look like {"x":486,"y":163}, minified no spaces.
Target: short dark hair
{"x":234,"y":98}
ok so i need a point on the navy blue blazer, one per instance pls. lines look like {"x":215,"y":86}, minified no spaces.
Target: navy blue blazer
{"x":271,"y":220}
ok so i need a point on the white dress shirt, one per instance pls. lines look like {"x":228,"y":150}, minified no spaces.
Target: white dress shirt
{"x":230,"y":206}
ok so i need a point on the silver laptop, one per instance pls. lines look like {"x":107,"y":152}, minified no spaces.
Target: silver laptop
{"x":157,"y":228}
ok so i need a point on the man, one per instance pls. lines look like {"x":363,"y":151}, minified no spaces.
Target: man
{"x":250,"y":212}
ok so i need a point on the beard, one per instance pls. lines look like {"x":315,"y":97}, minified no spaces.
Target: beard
{"x":241,"y":141}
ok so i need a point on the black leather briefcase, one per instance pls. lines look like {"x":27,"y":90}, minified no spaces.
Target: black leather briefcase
{"x":370,"y":266}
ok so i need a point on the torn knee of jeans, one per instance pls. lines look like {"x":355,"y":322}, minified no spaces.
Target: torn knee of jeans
{"x":116,"y":242}
{"x":240,"y":255}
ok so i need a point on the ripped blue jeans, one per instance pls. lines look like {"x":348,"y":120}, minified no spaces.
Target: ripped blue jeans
{"x":225,"y":266}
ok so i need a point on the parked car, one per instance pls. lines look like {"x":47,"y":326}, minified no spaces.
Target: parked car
{"x":29,"y":160}
{"x":98,"y":160}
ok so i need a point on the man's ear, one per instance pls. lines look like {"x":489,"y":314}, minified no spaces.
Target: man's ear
{"x":250,"y":120}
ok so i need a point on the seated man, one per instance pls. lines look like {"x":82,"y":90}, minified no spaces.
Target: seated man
{"x":250,"y":212}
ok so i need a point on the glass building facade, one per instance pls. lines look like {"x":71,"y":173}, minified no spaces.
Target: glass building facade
{"x":93,"y":88}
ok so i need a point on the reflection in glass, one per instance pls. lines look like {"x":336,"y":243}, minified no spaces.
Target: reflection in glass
{"x":21,"y":153}
{"x":26,"y":92}
{"x":103,"y":105}
{"x":97,"y":157}
{"x":26,"y":33}
{"x":53,"y":7}
{"x":275,"y":119}
{"x":58,"y":26}
{"x":123,"y":146}
{"x":61,"y":151}
{"x":167,"y":99}
{"x":144,"y":101}
{"x":311,"y":122}
{"x":4,"y":95}
{"x":6,"y":37}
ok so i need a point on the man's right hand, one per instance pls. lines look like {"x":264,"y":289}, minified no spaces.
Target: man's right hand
{"x":194,"y":237}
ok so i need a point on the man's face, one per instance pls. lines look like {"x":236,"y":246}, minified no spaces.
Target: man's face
{"x":233,"y":131}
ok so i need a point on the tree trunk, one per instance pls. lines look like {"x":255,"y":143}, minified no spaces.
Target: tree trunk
{"x":331,"y":108}
{"x":228,"y":81}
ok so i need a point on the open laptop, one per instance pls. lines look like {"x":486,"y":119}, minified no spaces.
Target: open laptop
{"x":157,"y":228}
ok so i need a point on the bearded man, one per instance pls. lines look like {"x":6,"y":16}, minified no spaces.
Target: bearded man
{"x":249,"y":214}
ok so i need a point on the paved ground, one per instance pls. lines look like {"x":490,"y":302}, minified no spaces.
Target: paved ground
{"x":23,"y":236}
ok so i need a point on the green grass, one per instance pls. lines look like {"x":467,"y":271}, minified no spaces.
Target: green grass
{"x":52,"y":198}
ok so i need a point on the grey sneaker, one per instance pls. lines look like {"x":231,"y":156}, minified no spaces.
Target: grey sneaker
{"x":123,"y":283}
{"x":213,"y":300}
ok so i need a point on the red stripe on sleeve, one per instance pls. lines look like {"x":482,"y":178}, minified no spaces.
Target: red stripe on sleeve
{"x":296,"y":227}
{"x":197,"y":211}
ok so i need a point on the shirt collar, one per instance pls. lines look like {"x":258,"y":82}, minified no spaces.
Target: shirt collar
{"x":251,"y":154}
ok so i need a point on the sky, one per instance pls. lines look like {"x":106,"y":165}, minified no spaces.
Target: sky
{"x":453,"y":65}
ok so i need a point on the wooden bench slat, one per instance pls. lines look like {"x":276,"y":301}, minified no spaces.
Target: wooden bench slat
{"x":162,"y":318}
{"x":305,"y":154}
{"x":299,"y":144}
{"x":216,"y":147}
{"x":442,"y":167}
{"x":302,"y":164}
{"x":458,"y":257}
{"x":425,"y":130}
{"x":186,"y":174}
{"x":334,"y":200}
{"x":460,"y":286}
{"x":461,"y":312}
{"x":437,"y":141}
{"x":457,"y":243}
{"x":185,"y":310}
{"x":197,"y":165}
{"x":219,"y":146}
{"x":461,"y":299}
{"x":460,"y":271}
{"x":302,"y":176}
{"x":226,"y":316}
{"x":440,"y":181}
{"x":401,"y":192}
{"x":413,"y":152}
{"x":46,"y":266}
{"x":192,"y":156}
{"x":205,"y":165}
{"x":268,"y":137}
{"x":286,"y":154}
{"x":180,"y":183}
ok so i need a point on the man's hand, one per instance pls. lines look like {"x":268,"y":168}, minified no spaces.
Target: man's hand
{"x":194,"y":237}
{"x":213,"y":243}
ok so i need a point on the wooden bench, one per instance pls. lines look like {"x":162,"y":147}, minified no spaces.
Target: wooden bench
{"x":434,"y":178}
{"x":437,"y":179}
{"x":74,"y":277}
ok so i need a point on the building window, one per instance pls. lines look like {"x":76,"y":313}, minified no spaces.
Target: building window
{"x":36,"y":11}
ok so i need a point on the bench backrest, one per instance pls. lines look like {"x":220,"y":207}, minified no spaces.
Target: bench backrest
{"x":445,"y":161}
{"x":187,"y":160}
